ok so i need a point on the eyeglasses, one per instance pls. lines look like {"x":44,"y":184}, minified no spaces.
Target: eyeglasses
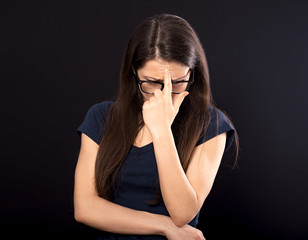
{"x":149,"y":86}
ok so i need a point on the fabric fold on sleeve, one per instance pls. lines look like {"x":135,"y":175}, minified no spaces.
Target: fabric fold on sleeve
{"x":218,"y":124}
{"x":93,"y":120}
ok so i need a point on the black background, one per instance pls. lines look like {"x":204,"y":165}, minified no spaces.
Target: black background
{"x":61,"y":57}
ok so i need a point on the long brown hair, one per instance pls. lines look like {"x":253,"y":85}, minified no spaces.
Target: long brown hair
{"x":172,"y":39}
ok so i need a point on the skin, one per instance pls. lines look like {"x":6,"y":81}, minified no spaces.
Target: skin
{"x":155,"y":68}
{"x":183,"y":194}
{"x":99,"y":213}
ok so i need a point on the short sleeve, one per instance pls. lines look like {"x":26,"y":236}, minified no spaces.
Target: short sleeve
{"x":93,"y":121}
{"x":218,"y":124}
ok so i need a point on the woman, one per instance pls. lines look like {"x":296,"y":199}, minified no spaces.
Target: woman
{"x":148,"y":159}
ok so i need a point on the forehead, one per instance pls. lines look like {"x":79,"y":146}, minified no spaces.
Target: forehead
{"x":156,"y":67}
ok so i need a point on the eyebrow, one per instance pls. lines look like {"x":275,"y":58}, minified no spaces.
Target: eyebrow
{"x":147,"y":77}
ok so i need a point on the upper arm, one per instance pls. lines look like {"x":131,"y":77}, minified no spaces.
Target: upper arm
{"x":84,"y":183}
{"x":204,"y":165}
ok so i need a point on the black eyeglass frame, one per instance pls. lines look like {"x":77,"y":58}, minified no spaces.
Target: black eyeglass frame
{"x":190,"y":82}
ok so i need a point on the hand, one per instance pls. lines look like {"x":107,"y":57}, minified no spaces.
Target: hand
{"x":185,"y":232}
{"x":160,"y":111}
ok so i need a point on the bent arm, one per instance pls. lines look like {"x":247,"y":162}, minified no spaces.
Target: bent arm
{"x":99,"y":213}
{"x":184,"y":193}
{"x":107,"y":216}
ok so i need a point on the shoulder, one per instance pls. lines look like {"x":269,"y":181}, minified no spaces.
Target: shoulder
{"x":219,"y":120}
{"x":94,"y":119}
{"x":101,"y":107}
{"x":218,"y":123}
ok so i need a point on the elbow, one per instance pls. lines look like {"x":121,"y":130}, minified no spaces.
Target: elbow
{"x":81,"y":211}
{"x":83,"y":208}
{"x":78,"y":215}
{"x":184,"y":216}
{"x":181,"y":220}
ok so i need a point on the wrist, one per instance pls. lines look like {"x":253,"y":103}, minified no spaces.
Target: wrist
{"x":160,"y":224}
{"x":161,"y":133}
{"x":166,"y":225}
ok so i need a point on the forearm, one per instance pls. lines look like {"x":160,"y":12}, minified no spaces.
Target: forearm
{"x":107,"y":216}
{"x":179,"y":196}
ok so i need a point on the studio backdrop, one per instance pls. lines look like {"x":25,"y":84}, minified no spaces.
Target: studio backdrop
{"x":61,"y":57}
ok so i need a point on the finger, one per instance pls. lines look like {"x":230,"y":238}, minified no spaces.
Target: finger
{"x":167,"y":85}
{"x":145,"y":104}
{"x":157,"y":93}
{"x":152,"y":97}
{"x":179,"y":99}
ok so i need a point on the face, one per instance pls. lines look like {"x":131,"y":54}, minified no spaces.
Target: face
{"x":154,"y":70}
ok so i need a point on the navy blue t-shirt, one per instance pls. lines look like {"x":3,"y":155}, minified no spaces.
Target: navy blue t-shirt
{"x":139,"y":172}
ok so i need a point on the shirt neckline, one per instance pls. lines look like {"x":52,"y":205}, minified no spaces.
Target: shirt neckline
{"x":143,"y":148}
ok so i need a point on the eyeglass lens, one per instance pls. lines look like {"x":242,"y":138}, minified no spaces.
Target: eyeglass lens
{"x":151,"y":87}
